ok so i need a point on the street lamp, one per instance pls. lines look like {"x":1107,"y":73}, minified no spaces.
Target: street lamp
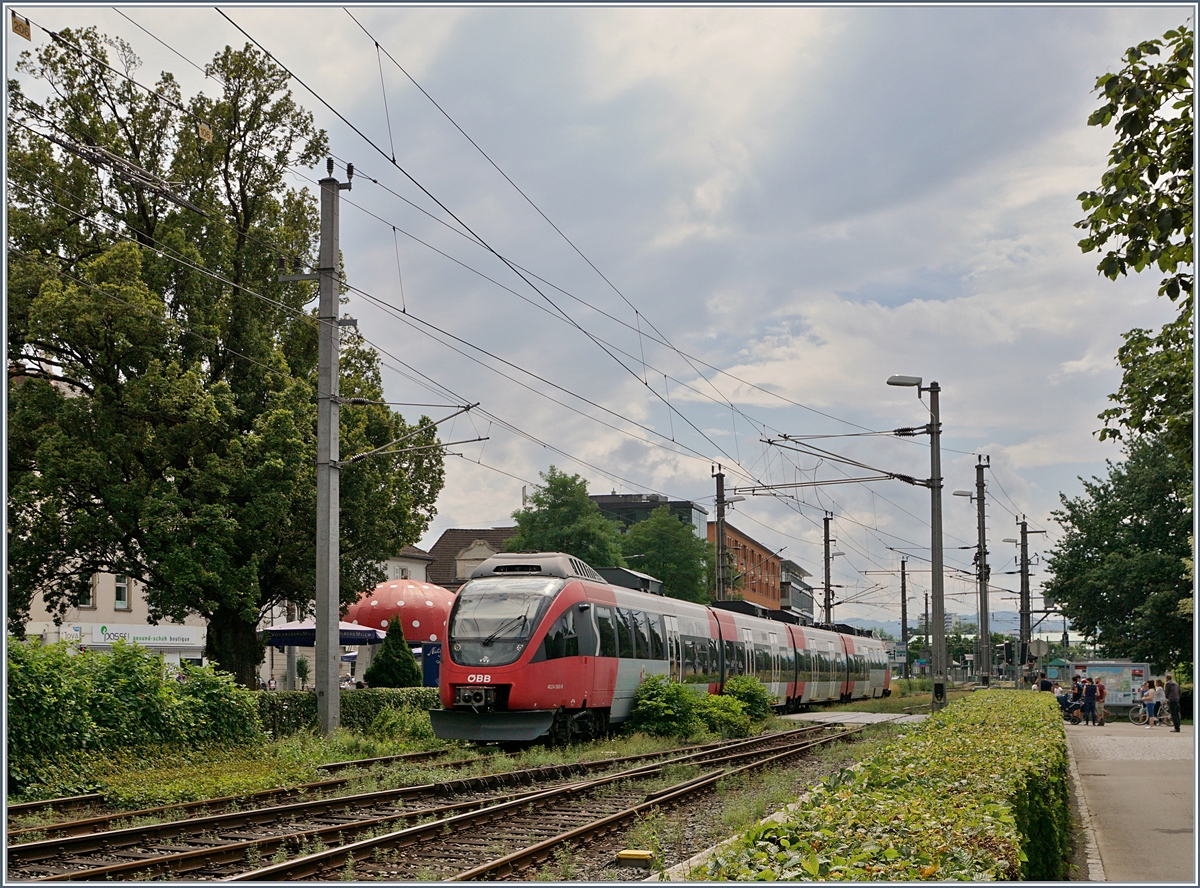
{"x":938,"y":618}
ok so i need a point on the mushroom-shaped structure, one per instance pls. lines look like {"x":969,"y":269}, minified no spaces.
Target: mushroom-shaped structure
{"x":423,"y":609}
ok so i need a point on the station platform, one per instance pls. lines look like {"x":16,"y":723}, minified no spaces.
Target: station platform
{"x":1138,"y":797}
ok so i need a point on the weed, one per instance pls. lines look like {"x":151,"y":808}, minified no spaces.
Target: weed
{"x":348,"y":870}
{"x":253,"y":857}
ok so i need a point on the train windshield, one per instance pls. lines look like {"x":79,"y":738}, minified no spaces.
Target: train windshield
{"x":494,"y":618}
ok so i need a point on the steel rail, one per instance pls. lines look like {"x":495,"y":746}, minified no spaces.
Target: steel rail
{"x":68,"y":828}
{"x":312,"y":865}
{"x":27,"y":854}
{"x":535,"y":854}
{"x":214,"y":805}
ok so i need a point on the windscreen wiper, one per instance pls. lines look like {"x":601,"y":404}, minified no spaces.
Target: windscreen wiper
{"x":524,"y":618}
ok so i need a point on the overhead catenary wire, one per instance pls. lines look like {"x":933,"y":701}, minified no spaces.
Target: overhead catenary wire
{"x":670,"y":409}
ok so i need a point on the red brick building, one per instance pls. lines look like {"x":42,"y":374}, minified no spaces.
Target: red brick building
{"x":753,"y":568}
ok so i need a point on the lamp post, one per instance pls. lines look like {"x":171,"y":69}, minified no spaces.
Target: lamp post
{"x":938,"y":618}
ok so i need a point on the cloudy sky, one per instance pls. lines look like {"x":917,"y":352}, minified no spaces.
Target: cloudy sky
{"x":732,"y":223}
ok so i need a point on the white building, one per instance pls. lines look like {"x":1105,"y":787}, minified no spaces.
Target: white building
{"x":116,"y":609}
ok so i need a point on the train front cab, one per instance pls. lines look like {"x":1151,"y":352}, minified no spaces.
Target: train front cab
{"x":519,"y":653}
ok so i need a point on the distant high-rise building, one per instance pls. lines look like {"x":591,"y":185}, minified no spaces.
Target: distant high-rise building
{"x":630,"y":508}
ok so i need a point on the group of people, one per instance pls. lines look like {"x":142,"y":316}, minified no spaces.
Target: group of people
{"x":1157,"y":696}
{"x":1086,"y":693}
{"x":1161,"y":698}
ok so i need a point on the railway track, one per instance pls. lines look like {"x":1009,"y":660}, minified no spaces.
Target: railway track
{"x":512,"y":835}
{"x":95,"y":802}
{"x":110,"y":820}
{"x":218,"y":839}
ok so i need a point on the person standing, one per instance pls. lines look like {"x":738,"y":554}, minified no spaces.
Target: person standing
{"x":1089,"y":702}
{"x":1160,"y":702}
{"x":271,"y":683}
{"x":1101,"y":696}
{"x":1172,"y":691}
{"x":1148,"y":701}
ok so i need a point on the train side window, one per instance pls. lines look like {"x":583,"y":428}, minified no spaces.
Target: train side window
{"x":691,"y":660}
{"x":641,"y":637}
{"x":731,"y":659}
{"x":762,"y":661}
{"x":628,"y":628}
{"x":608,"y":632}
{"x":658,"y":647}
{"x":562,"y":640}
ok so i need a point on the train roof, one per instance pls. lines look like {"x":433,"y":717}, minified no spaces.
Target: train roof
{"x":536,"y":564}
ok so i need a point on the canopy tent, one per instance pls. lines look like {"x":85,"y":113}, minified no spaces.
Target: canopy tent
{"x":303,"y":633}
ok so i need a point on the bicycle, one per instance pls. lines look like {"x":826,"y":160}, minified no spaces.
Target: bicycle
{"x":1139,"y":715}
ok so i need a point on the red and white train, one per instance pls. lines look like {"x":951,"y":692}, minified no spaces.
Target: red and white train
{"x":539,"y":644}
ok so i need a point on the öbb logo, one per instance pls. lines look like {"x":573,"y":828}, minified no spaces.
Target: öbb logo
{"x":479,"y":677}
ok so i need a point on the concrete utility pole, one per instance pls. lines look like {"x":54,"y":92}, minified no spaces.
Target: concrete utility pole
{"x":928,"y":665}
{"x":935,"y":511}
{"x":985,"y":634}
{"x":721,"y":580}
{"x":328,"y":592}
{"x":828,"y":586}
{"x":904,"y":614}
{"x":1026,"y":631}
{"x":290,"y":678}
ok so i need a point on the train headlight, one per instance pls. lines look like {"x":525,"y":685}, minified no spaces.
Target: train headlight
{"x":474,"y":696}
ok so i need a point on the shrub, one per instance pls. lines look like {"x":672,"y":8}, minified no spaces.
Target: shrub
{"x":724,"y":715}
{"x":752,"y":693}
{"x":64,"y":704}
{"x":284,"y":713}
{"x":976,"y":793}
{"x":401,"y":724}
{"x":663,"y":708}
{"x":394,"y":665}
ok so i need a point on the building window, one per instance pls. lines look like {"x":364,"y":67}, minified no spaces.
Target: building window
{"x":88,"y":598}
{"x":400,"y":573}
{"x":122,"y":599}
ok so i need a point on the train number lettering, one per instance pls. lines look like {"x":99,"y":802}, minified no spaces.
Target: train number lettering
{"x":479,"y":677}
{"x":554,"y":687}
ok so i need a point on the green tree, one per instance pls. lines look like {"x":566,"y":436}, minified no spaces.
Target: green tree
{"x":1119,"y":571}
{"x":163,"y":424}
{"x":394,"y":666}
{"x":667,"y":548}
{"x":561,"y":518}
{"x":1142,"y":216}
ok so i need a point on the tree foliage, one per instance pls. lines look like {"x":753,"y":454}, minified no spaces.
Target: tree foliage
{"x":1119,"y":572}
{"x":162,"y":413}
{"x":1157,"y":387}
{"x":1142,"y":216}
{"x":394,"y":666}
{"x":1144,"y":203}
{"x":561,"y":518}
{"x":667,"y":548}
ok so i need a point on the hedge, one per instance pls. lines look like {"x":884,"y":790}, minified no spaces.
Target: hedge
{"x":63,"y":702}
{"x":978,"y":792}
{"x":282,"y":713}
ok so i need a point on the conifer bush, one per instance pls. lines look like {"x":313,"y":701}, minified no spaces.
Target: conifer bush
{"x":394,"y":666}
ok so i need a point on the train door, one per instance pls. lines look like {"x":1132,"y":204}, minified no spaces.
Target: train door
{"x":748,"y":651}
{"x":829,"y":690}
{"x":778,"y":690}
{"x":674,"y":651}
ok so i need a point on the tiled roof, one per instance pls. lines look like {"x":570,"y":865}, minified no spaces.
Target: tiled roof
{"x":454,"y":540}
{"x":415,"y":553}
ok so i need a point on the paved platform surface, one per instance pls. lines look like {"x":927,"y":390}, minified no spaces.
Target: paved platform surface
{"x":1139,"y":788}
